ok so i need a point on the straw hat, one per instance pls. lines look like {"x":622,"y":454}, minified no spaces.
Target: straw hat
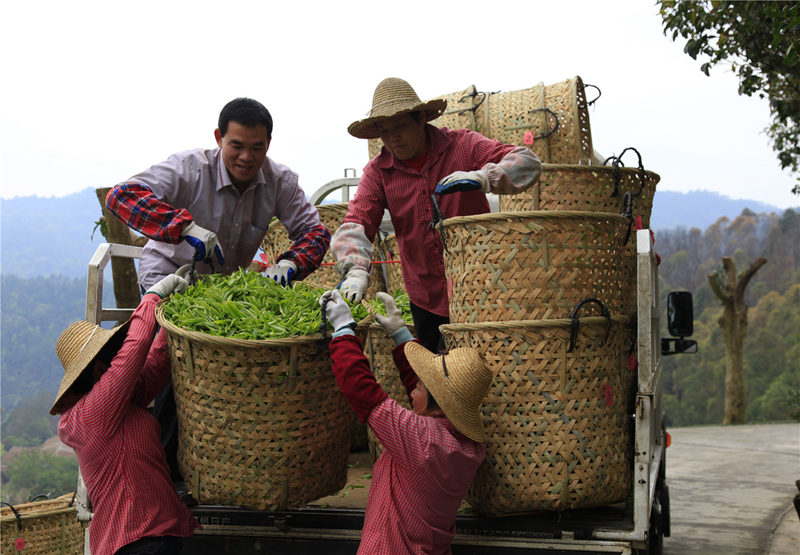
{"x":76,"y":348}
{"x":394,"y":97}
{"x":458,"y":380}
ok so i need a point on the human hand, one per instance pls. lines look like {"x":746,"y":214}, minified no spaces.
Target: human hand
{"x":463,"y":181}
{"x":355,"y":284}
{"x":393,"y":320}
{"x":282,"y":272}
{"x":173,"y":283}
{"x":336,"y":309}
{"x":203,"y":241}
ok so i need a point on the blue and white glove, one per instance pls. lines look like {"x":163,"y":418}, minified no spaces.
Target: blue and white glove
{"x":477,"y":180}
{"x":283,"y":272}
{"x":337,"y":311}
{"x":173,"y":283}
{"x":355,"y":285}
{"x":203,"y":241}
{"x":393,"y":323}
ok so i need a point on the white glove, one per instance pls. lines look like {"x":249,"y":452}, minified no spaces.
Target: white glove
{"x":203,"y":241}
{"x":173,"y":283}
{"x":393,"y":320}
{"x":336,"y":310}
{"x":463,"y":181}
{"x":354,"y":287}
{"x":282,"y":272}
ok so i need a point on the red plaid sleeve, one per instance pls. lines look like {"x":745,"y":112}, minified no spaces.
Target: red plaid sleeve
{"x":309,"y":250}
{"x":137,"y":206}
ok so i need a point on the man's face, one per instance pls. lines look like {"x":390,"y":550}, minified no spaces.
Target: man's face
{"x":403,"y":136}
{"x":243,"y":150}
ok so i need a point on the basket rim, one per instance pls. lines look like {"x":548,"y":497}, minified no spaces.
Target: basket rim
{"x":594,"y":168}
{"x":38,"y":509}
{"x":543,"y":323}
{"x":209,"y":339}
{"x":529,"y":214}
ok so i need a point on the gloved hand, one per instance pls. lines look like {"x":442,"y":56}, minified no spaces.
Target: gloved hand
{"x":203,"y":241}
{"x":173,"y":283}
{"x":336,"y":310}
{"x":393,"y":323}
{"x":355,"y":284}
{"x":463,"y":181}
{"x":282,"y":272}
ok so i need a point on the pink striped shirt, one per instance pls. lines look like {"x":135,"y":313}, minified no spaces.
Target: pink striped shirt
{"x":117,"y":443}
{"x":418,"y":482}
{"x":388,"y":183}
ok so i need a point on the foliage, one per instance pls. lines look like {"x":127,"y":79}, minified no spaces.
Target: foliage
{"x":30,"y":422}
{"x":761,"y":43}
{"x":33,"y":472}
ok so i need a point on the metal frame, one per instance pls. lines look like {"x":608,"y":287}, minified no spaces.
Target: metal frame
{"x":95,"y":312}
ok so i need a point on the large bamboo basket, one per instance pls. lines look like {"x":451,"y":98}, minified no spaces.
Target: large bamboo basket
{"x":535,"y":265}
{"x":459,"y":114}
{"x":555,"y":116}
{"x":277,"y":241}
{"x":49,"y":527}
{"x":261,"y":424}
{"x":558,"y":435}
{"x":392,"y":268}
{"x":587,"y":188}
{"x":378,"y":349}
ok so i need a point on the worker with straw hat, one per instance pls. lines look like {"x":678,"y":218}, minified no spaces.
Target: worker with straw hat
{"x":431,"y":453}
{"x":417,"y":161}
{"x":110,"y":376}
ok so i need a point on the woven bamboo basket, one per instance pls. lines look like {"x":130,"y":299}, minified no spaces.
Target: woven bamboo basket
{"x":558,"y":435}
{"x":46,"y":527}
{"x":393,"y":270}
{"x":586,"y":188}
{"x":378,"y":349}
{"x":535,"y":265}
{"x":459,"y":114}
{"x":552,"y":120}
{"x":277,"y":241}
{"x":261,"y":424}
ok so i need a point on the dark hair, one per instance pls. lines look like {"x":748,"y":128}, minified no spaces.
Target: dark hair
{"x":84,"y":383}
{"x":432,"y":404}
{"x":247,"y":112}
{"x":417,"y":116}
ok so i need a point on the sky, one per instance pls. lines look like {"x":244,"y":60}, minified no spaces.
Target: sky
{"x":95,"y":92}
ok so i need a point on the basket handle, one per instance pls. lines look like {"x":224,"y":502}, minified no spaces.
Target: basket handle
{"x":40,"y":496}
{"x":16,"y":513}
{"x":575,"y":322}
{"x":438,"y":218}
{"x":616,"y":162}
{"x":599,"y":93}
{"x":555,"y":116}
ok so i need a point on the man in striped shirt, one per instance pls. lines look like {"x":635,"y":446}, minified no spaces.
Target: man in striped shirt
{"x":431,"y":453}
{"x":418,"y":160}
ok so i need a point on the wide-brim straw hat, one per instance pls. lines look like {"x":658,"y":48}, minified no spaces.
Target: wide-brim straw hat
{"x":458,"y":380}
{"x":76,"y":348}
{"x":394,"y":97}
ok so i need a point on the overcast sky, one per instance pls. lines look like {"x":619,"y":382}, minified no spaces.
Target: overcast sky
{"x":94,"y":92}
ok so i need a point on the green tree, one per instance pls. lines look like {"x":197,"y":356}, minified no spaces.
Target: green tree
{"x":30,"y":423}
{"x":761,"y":43}
{"x":31,"y":473}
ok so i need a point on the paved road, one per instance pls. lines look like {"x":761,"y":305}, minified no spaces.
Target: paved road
{"x":731,"y":487}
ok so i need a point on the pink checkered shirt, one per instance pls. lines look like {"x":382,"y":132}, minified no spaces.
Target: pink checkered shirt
{"x":117,"y":443}
{"x":418,"y":482}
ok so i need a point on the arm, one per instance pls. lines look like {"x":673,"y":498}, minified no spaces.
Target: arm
{"x":407,"y":374}
{"x":515,"y":172}
{"x":137,"y":206}
{"x":308,"y":251}
{"x":353,"y":376}
{"x":155,"y":374}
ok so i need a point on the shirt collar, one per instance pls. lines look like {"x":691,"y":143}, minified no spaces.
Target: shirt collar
{"x":438,"y":142}
{"x":224,"y":179}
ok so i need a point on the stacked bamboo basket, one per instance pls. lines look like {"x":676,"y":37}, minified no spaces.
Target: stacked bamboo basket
{"x":545,"y":290}
{"x":48,"y":527}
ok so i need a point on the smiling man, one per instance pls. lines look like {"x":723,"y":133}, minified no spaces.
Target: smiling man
{"x":216,"y":205}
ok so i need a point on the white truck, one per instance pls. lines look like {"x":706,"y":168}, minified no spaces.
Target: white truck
{"x":637,"y":525}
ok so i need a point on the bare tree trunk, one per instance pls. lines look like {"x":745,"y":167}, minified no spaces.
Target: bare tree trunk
{"x":123,"y":270}
{"x":734,"y":329}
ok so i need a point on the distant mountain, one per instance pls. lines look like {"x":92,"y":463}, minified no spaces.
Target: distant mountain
{"x":53,"y":235}
{"x":700,"y":209}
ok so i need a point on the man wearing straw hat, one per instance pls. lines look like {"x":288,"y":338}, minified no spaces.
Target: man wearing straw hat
{"x":110,"y":376}
{"x":430,"y":454}
{"x":417,"y":161}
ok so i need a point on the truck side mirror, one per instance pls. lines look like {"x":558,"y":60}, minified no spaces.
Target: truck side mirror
{"x":680,"y":323}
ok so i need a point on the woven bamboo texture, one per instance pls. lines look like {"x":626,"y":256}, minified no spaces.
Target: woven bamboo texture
{"x":459,"y":114}
{"x":46,"y":527}
{"x":534,"y":265}
{"x":393,"y":273}
{"x":515,"y":117}
{"x":557,"y":432}
{"x":261,"y":424}
{"x":277,"y":241}
{"x":586,"y":188}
